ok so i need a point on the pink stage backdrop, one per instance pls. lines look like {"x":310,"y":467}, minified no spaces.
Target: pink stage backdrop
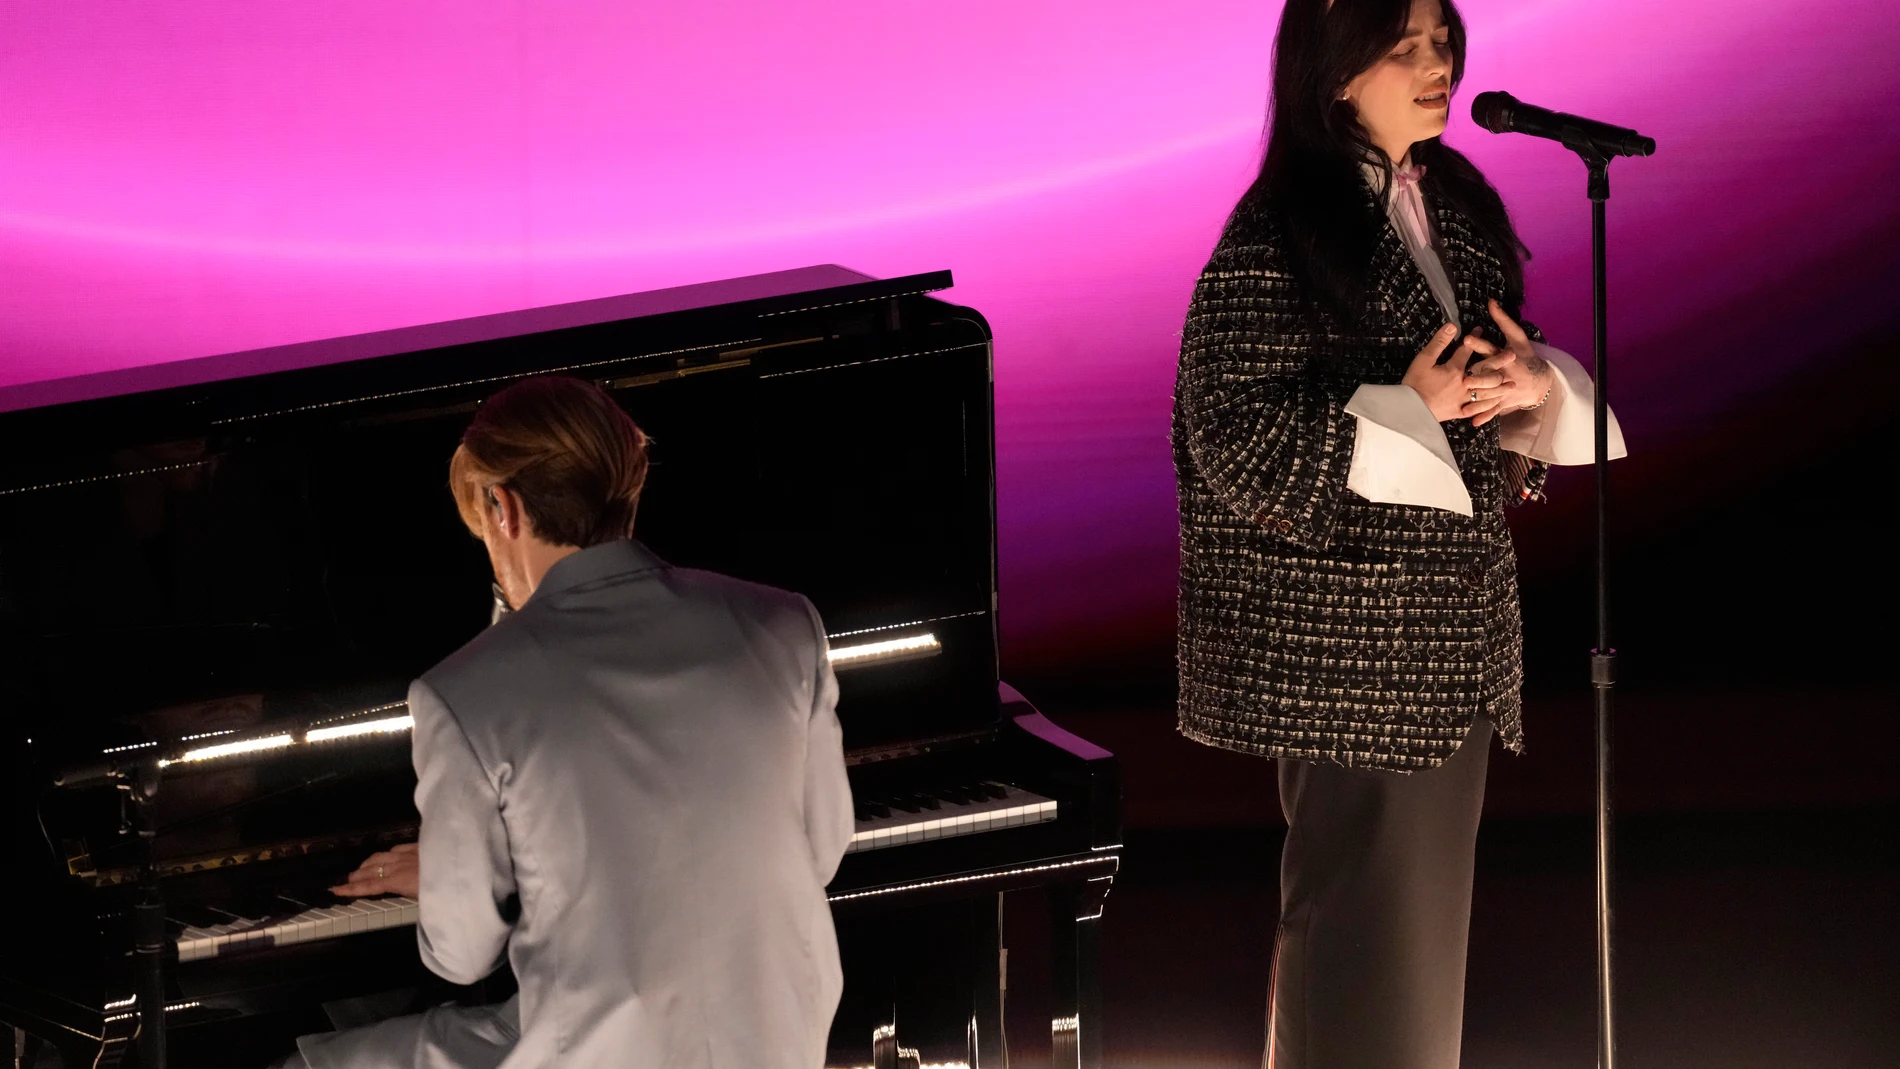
{"x":205,"y":176}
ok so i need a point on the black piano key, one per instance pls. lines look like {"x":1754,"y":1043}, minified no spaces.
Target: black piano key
{"x":995,"y":790}
{"x":258,"y":903}
{"x":308,"y":895}
{"x":198,"y":916}
{"x":959,"y":793}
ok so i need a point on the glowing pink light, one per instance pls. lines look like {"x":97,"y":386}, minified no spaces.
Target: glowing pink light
{"x":185,"y":179}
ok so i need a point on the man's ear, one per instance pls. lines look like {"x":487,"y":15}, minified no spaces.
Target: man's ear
{"x":505,"y":506}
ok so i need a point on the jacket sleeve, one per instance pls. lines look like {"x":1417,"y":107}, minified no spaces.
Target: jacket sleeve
{"x":1271,"y":439}
{"x":828,"y":810}
{"x":467,"y":872}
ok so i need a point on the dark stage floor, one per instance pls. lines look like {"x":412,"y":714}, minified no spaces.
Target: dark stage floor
{"x":1748,"y":941}
{"x":1758,"y":895}
{"x":1757,"y":940}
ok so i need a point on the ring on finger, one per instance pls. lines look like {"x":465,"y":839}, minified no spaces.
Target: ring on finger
{"x":1474,"y":396}
{"x":380,"y":872}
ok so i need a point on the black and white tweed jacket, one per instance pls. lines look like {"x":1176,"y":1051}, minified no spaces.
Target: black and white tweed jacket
{"x":1315,"y":624}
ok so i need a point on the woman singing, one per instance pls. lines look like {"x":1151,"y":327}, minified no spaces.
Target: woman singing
{"x":1356,"y":404}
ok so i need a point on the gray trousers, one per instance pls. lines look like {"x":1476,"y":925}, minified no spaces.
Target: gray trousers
{"x":1375,"y":913}
{"x":445,"y":1037}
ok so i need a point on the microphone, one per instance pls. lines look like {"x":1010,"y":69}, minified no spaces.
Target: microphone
{"x":1502,"y":113}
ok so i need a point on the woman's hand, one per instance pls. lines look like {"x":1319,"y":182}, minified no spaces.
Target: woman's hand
{"x":1451,"y":390}
{"x":393,"y":871}
{"x":1527,"y":377}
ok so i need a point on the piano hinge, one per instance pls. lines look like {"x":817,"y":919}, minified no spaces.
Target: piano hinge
{"x":754,"y":350}
{"x":679,"y":372}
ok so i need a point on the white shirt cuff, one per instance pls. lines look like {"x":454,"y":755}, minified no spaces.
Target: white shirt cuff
{"x":1400,"y":455}
{"x":1563,"y":429}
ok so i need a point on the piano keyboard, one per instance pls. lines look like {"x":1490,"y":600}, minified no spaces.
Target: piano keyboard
{"x":325,"y":922}
{"x":945,"y":813}
{"x":883,"y":821}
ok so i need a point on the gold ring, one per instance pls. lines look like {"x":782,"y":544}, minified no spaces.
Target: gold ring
{"x":379,"y":872}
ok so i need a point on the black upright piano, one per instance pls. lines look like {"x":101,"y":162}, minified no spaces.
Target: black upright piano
{"x":217,"y":577}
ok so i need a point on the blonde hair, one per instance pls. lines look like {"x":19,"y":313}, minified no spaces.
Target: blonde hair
{"x":575,"y":457}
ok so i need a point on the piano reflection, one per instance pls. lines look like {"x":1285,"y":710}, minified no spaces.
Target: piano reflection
{"x":183,"y":610}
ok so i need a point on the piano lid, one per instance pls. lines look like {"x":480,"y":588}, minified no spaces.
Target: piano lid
{"x":216,"y":546}
{"x":784,"y":286}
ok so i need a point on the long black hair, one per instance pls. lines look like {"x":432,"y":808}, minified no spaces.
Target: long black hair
{"x":1311,"y":179}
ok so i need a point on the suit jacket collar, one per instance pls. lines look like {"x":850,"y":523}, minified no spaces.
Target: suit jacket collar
{"x":608,"y":561}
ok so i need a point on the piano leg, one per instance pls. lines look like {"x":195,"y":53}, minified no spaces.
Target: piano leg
{"x":1075,"y":1028}
{"x":987,"y":981}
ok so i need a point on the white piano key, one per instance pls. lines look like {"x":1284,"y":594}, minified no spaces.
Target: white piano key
{"x":1016,"y":808}
{"x":339,"y":916}
{"x":194,"y":943}
{"x":331,"y":923}
{"x":221,"y":936}
{"x":328,"y":922}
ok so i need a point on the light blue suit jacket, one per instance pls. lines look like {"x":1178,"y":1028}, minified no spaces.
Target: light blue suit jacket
{"x":634,"y":789}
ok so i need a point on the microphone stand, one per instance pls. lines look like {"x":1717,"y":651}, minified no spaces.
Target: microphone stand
{"x":1596,"y":143}
{"x":1603,"y":655}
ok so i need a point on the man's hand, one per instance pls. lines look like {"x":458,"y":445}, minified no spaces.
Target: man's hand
{"x":392,"y":872}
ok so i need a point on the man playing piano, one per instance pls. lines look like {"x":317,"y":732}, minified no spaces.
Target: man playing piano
{"x":632,"y":786}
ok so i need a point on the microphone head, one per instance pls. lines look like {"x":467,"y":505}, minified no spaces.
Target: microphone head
{"x":1493,"y":111}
